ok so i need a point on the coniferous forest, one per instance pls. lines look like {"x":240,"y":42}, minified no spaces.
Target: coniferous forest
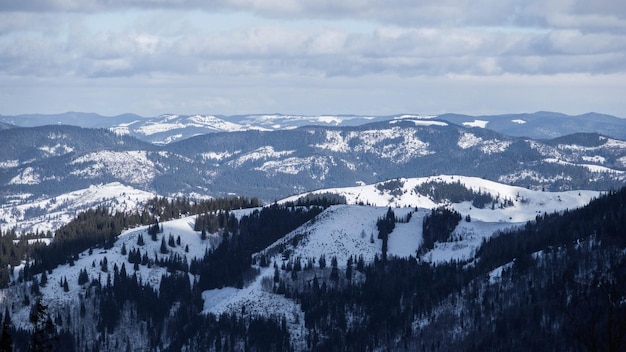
{"x":557,"y":283}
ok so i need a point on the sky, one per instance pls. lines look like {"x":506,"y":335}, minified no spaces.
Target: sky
{"x":366,"y":57}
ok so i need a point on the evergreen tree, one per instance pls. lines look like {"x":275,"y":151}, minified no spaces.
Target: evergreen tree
{"x":6,"y":341}
{"x":163,"y":248}
{"x":44,"y":279}
{"x":334,"y":272}
{"x":83,"y":277}
{"x":322,"y":261}
{"x":349,"y":269}
{"x":140,"y":241}
{"x":45,"y":337}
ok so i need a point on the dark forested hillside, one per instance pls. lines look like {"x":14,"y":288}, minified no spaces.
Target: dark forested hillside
{"x":38,"y":143}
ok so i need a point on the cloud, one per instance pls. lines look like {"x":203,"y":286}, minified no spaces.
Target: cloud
{"x":520,"y":13}
{"x":278,"y":49}
{"x":143,"y":42}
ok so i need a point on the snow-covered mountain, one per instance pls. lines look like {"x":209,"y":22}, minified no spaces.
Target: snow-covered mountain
{"x":409,"y":165}
{"x":341,"y":232}
{"x":49,"y":213}
{"x":169,"y":128}
{"x":52,"y":160}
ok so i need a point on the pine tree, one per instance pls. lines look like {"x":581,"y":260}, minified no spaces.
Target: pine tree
{"x":44,"y":336}
{"x":44,"y":279}
{"x":6,"y":341}
{"x":334,"y":272}
{"x":322,"y":261}
{"x":349,"y":269}
{"x":83,"y":277}
{"x":163,"y":248}
{"x":140,"y":241}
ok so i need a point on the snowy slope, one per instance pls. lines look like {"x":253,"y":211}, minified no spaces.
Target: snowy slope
{"x":50,"y":213}
{"x":348,"y":230}
{"x":340,"y":231}
{"x":527,"y":203}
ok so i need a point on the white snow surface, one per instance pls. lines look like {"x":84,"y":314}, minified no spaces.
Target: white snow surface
{"x":383,"y":142}
{"x":28,"y":176}
{"x":421,"y":122}
{"x":476,"y":123}
{"x":127,"y":165}
{"x":262,"y":153}
{"x":590,"y":167}
{"x":60,"y":210}
{"x":491,"y":146}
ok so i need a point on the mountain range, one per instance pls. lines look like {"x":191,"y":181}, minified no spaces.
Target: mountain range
{"x":168,"y":128}
{"x":400,"y":232}
{"x":51,"y":160}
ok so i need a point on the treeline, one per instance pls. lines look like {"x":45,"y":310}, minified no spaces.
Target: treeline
{"x":229,"y":332}
{"x":455,"y":192}
{"x":100,"y":227}
{"x":438,"y":226}
{"x":227,"y":264}
{"x":12,"y":251}
{"x":92,"y":228}
{"x":324,"y":199}
{"x":167,"y":209}
{"x":602,"y":218}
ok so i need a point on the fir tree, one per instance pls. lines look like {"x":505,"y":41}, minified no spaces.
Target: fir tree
{"x":6,"y":341}
{"x":44,"y":336}
{"x":163,"y":248}
{"x":44,"y":279}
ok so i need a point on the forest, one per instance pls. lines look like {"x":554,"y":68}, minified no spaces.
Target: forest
{"x":557,"y":283}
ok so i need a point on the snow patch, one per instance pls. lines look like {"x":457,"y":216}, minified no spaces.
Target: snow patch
{"x":262,"y":153}
{"x":418,"y":122}
{"x":28,"y":176}
{"x":468,"y":140}
{"x":132,"y":166}
{"x":476,"y":123}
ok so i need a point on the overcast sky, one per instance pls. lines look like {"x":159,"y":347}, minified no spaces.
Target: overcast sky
{"x":312,"y":56}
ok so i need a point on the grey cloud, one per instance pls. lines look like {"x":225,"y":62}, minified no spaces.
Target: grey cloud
{"x":269,"y":50}
{"x":411,"y":13}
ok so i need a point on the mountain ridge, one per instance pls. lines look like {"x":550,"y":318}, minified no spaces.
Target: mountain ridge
{"x":274,"y":164}
{"x":167,"y":128}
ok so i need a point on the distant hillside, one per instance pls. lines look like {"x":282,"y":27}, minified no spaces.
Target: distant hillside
{"x":168,"y":128}
{"x":273,"y":164}
{"x":544,"y":125}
